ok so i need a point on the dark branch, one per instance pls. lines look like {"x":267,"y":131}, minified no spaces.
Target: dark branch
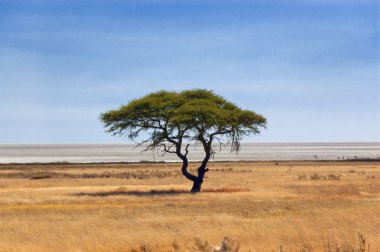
{"x":187,"y":150}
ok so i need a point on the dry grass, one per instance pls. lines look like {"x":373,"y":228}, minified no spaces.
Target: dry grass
{"x":145,"y":207}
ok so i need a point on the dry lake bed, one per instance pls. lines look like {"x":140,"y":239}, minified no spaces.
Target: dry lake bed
{"x":90,"y":153}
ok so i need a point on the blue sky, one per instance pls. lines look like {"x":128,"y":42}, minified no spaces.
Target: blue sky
{"x":311,"y":67}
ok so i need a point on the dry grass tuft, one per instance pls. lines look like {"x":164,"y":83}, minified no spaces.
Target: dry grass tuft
{"x":302,"y":177}
{"x":227,"y":190}
{"x":333,"y":177}
{"x":227,"y":245}
{"x":315,"y":176}
{"x":360,"y":246}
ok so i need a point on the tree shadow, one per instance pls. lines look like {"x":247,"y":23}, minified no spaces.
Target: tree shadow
{"x":154,"y":192}
{"x":134,"y":193}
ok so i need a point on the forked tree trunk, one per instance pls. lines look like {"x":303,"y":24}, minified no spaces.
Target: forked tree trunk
{"x":197,"y":183}
{"x":197,"y":180}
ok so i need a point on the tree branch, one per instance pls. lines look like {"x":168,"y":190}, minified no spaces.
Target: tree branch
{"x":187,"y":150}
{"x":167,"y":149}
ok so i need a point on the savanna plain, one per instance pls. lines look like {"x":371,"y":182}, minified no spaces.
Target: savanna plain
{"x":259,"y":206}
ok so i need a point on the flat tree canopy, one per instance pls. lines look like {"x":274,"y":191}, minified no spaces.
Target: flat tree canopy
{"x":173,"y":120}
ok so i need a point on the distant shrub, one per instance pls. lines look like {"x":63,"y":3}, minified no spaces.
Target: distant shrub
{"x":104,"y":175}
{"x":302,"y":177}
{"x":315,"y":176}
{"x":373,"y":176}
{"x":230,"y":169}
{"x":333,"y":177}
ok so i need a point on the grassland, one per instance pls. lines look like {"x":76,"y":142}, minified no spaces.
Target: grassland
{"x":301,"y":206}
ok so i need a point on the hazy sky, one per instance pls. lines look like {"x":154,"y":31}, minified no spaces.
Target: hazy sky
{"x":310,"y":66}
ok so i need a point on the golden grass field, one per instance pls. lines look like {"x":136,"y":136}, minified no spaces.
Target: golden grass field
{"x":301,"y":206}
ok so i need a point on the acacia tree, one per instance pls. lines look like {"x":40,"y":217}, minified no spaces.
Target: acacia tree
{"x":172,"y":120}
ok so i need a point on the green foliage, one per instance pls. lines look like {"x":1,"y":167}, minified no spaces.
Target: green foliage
{"x":171,"y":118}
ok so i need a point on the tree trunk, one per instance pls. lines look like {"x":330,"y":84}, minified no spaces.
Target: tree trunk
{"x":197,"y":185}
{"x":197,"y":180}
{"x":185,"y":163}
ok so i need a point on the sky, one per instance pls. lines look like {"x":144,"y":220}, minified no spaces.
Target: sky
{"x":311,"y":67}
